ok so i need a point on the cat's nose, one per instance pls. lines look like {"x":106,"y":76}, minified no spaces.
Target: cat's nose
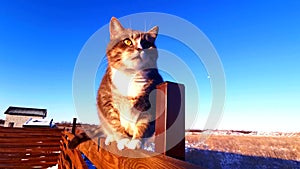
{"x":139,"y":49}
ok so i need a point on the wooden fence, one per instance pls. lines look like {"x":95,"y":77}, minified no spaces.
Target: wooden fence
{"x":109,"y":157}
{"x":169,"y":140}
{"x":42,"y":148}
{"x":29,"y":148}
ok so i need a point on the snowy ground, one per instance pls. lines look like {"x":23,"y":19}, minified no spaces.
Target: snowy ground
{"x":240,"y":149}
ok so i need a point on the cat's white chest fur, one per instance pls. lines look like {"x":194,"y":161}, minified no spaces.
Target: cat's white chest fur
{"x":127,"y":84}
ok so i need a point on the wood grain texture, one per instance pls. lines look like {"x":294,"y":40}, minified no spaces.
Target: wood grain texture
{"x":29,"y":148}
{"x":70,"y":158}
{"x":109,"y":157}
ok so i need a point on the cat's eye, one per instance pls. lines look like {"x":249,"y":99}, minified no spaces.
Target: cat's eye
{"x":127,"y":42}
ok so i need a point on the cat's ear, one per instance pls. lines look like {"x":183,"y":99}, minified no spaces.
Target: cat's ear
{"x":115,"y":27}
{"x":153,"y":31}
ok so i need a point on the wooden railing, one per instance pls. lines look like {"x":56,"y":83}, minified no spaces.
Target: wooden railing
{"x":42,"y":148}
{"x":29,"y":148}
{"x":169,"y":140}
{"x":109,"y":157}
{"x":70,"y":158}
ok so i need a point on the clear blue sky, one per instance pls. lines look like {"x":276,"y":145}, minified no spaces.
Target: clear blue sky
{"x":257,"y":41}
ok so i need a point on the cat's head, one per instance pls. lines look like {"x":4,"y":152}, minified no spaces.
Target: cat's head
{"x":131,"y":50}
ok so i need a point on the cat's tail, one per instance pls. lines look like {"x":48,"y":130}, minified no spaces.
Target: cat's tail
{"x":85,"y":135}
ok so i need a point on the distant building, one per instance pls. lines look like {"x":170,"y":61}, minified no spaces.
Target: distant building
{"x":17,"y":116}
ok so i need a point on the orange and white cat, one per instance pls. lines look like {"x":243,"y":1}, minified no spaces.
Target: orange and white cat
{"x":123,"y":101}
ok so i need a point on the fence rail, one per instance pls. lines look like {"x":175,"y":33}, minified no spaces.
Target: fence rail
{"x":169,"y":139}
{"x":42,"y":148}
{"x":29,"y":148}
{"x":109,"y":157}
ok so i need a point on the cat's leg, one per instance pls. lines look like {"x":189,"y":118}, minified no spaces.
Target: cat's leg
{"x":109,"y":139}
{"x":139,"y":130}
{"x":114,"y":130}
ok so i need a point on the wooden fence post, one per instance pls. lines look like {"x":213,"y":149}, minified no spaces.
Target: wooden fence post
{"x":170,"y":120}
{"x":74,"y":126}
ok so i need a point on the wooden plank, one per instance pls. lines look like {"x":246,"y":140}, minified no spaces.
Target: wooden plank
{"x":25,"y":155}
{"x":45,"y":140}
{"x":63,"y":162}
{"x":22,"y":135}
{"x":29,"y":148}
{"x":109,"y":157}
{"x":38,"y":165}
{"x":102,"y":158}
{"x":18,"y":150}
{"x":28,"y":160}
{"x":71,"y":158}
{"x":28,"y":164}
{"x":79,"y":162}
{"x":29,"y":145}
{"x":170,"y":120}
{"x":41,"y":130}
{"x":156,"y":162}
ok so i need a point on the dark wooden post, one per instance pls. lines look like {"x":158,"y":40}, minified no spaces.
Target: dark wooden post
{"x":170,"y":120}
{"x":74,"y":125}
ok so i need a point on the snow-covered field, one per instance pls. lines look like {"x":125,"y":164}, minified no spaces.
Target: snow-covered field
{"x":240,"y":149}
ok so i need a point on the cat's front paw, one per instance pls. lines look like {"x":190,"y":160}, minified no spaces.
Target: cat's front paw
{"x":134,"y":144}
{"x":122,"y":143}
{"x":109,"y":139}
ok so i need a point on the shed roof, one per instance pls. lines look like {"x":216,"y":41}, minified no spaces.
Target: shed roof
{"x":23,"y":111}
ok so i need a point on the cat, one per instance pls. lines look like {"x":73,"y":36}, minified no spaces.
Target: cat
{"x":126,"y":106}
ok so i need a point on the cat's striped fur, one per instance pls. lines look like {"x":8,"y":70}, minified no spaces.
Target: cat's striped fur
{"x":126,"y":111}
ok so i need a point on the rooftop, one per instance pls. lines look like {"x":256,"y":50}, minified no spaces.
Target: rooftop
{"x":23,"y":111}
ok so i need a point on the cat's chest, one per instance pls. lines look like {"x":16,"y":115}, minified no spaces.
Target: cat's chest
{"x":128,"y":85}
